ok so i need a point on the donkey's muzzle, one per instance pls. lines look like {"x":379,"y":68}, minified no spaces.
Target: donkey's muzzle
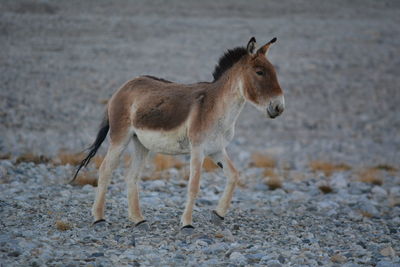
{"x":276,"y":107}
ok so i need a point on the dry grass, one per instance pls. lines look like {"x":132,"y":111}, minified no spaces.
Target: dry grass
{"x":274,"y":183}
{"x":209,"y":165}
{"x":103,"y":101}
{"x":65,"y":158}
{"x":259,"y":160}
{"x":394,"y":201}
{"x":163,"y":162}
{"x":371,"y":176}
{"x":63,"y":226}
{"x":30,"y":157}
{"x":97,"y":160}
{"x":326,"y":189}
{"x":272,"y":179}
{"x":219,"y":235}
{"x":327,"y":168}
{"x":184,"y":173}
{"x":5,"y":156}
{"x":85,"y":178}
{"x":385,"y":167}
{"x":366,"y":214}
{"x":160,"y":175}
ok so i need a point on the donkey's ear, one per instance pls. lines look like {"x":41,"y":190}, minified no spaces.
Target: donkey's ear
{"x":265,"y":48}
{"x":251,"y":46}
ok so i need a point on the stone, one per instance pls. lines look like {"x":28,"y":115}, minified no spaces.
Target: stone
{"x":156,"y":185}
{"x":368,"y":209}
{"x":255,"y":257}
{"x":379,"y":192}
{"x":337,"y":258}
{"x":97,"y":254}
{"x":338,"y":181}
{"x":281,"y":259}
{"x":299,"y":196}
{"x":237,"y":257}
{"x":273,"y":263}
{"x":327,"y":205}
{"x":201,"y":243}
{"x":215,"y":219}
{"x":228,"y":236}
{"x":388,"y":252}
{"x":384,"y":263}
{"x":14,"y":253}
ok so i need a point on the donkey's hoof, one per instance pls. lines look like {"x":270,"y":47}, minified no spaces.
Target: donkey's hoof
{"x":187,"y":229}
{"x":215,"y":218}
{"x":100,"y":222}
{"x":143,"y":225}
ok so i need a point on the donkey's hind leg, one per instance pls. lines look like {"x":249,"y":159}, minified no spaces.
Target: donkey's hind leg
{"x":132,"y":178}
{"x":109,"y":163}
{"x":224,"y":162}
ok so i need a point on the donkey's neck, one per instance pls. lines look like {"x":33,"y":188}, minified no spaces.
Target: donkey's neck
{"x":232,"y":101}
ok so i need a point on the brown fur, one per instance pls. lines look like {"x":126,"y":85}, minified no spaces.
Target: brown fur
{"x":260,"y":88}
{"x":164,"y":105}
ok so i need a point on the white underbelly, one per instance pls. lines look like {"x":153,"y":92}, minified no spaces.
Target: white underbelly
{"x":177,"y":142}
{"x":167,"y":142}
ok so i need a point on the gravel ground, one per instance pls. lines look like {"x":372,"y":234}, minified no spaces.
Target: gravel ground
{"x":295,"y":225}
{"x":338,"y":64}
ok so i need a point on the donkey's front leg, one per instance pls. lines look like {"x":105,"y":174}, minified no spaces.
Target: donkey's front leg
{"x":132,"y":178}
{"x":224,"y":162}
{"x":196,"y":161}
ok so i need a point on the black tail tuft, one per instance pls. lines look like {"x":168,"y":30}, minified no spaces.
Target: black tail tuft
{"x":101,"y":135}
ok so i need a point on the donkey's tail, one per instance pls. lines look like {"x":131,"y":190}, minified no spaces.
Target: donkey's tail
{"x":101,"y":135}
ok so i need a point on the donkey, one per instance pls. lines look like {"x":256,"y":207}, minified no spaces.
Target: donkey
{"x":197,"y":119}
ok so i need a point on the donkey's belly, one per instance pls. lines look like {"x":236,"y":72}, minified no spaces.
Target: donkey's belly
{"x":167,"y":142}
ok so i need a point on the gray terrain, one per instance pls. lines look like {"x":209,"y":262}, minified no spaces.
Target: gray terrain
{"x":339,"y":65}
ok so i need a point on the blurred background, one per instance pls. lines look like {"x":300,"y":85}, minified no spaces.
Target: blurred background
{"x":337,"y":61}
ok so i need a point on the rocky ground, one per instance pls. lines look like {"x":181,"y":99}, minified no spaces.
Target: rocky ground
{"x":338,"y":64}
{"x":46,"y":222}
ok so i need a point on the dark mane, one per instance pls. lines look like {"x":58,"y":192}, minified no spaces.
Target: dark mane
{"x":228,"y":60}
{"x":157,"y":79}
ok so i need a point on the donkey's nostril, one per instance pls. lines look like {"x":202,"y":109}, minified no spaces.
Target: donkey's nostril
{"x":277,"y":109}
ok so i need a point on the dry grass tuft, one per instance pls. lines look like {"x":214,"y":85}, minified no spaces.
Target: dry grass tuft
{"x":184,"y":173}
{"x":371,"y":176}
{"x":163,"y":162}
{"x":259,"y":160}
{"x":272,"y":179}
{"x":394,"y":201}
{"x":65,"y":158}
{"x":385,"y":167}
{"x":63,"y":226}
{"x":326,"y":189}
{"x":30,"y":157}
{"x":85,"y":178}
{"x":155,"y":176}
{"x":5,"y":156}
{"x":327,"y":168}
{"x":209,"y":165}
{"x":270,"y":173}
{"x":97,"y":160}
{"x":274,"y":183}
{"x":219,"y":235}
{"x":103,"y":101}
{"x":366,"y":214}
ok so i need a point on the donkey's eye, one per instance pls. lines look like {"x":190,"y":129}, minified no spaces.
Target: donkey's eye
{"x":260,"y":72}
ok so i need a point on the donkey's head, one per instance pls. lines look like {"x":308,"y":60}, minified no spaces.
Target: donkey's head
{"x":260,"y":84}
